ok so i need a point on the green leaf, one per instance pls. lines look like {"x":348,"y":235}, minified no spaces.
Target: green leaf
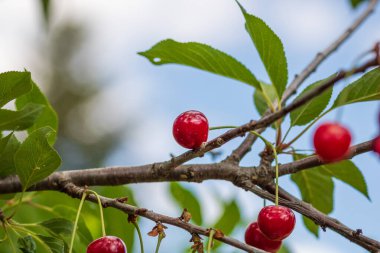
{"x":312,"y":109}
{"x":83,"y":231}
{"x":356,"y":3}
{"x":8,"y":147}
{"x":316,"y":188}
{"x":263,"y":97}
{"x":36,"y":159}
{"x":284,"y":249}
{"x":228,"y":220}
{"x":270,"y":49}
{"x":311,"y":226}
{"x":366,"y":88}
{"x":186,"y":199}
{"x":347,"y":172}
{"x":58,"y":226}
{"x":26,"y":244}
{"x":14,"y":84}
{"x":19,"y":120}
{"x":48,"y":117}
{"x":200,"y":56}
{"x":55,"y":245}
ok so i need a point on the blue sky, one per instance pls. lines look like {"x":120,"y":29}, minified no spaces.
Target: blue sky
{"x":156,"y":95}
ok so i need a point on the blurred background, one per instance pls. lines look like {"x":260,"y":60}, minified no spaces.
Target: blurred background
{"x":116,"y":108}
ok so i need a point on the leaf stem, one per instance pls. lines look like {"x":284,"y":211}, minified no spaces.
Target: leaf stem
{"x":221,"y":127}
{"x":275,"y":158}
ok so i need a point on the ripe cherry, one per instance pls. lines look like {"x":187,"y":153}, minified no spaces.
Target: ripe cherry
{"x":276,"y":222}
{"x":255,"y":238}
{"x":376,"y":145}
{"x":190,"y":129}
{"x":331,"y":142}
{"x":107,"y":244}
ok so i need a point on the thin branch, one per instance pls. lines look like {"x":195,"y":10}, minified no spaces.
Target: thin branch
{"x":238,"y":154}
{"x":245,"y":147}
{"x":320,"y":57}
{"x":286,"y":199}
{"x":313,"y":161}
{"x":77,"y":192}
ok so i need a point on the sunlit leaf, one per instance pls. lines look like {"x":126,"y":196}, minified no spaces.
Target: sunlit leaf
{"x":36,"y":159}
{"x":14,"y":84}
{"x":366,"y":88}
{"x":200,"y":56}
{"x":348,"y":173}
{"x":19,"y":120}
{"x":8,"y":147}
{"x":270,"y":49}
{"x":47,"y":118}
{"x":263,"y":97}
{"x":312,"y":109}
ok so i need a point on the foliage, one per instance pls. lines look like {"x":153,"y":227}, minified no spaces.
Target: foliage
{"x":33,"y":157}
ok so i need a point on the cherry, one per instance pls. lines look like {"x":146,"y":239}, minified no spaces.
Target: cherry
{"x":107,"y":244}
{"x":276,"y":222}
{"x":376,"y":145}
{"x":254,"y":237}
{"x":331,"y":142}
{"x":190,"y":129}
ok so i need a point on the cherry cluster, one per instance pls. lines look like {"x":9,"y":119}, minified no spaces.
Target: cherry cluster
{"x":274,"y":224}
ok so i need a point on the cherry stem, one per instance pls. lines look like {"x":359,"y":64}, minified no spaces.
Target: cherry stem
{"x":211,"y":238}
{"x":275,"y":159}
{"x":101,"y":212}
{"x":221,"y":127}
{"x":140,"y":236}
{"x":160,"y":237}
{"x":76,"y":221}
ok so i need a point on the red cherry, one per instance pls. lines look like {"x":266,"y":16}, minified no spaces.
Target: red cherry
{"x":190,"y":129}
{"x":276,"y":222}
{"x":331,"y":142}
{"x":107,"y":244}
{"x":376,"y":145}
{"x":255,"y":238}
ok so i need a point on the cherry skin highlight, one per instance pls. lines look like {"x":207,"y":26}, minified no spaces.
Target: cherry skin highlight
{"x":376,"y":145}
{"x":107,"y":244}
{"x":331,"y":142}
{"x":276,"y":222}
{"x":255,"y":238}
{"x":190,"y":129}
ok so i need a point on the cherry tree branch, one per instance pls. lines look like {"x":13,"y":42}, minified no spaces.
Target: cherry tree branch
{"x":286,"y":199}
{"x":77,"y":192}
{"x":187,"y":173}
{"x":245,"y":146}
{"x":313,"y":161}
{"x":320,"y":57}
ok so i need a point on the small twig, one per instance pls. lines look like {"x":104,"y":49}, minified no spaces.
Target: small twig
{"x":75,"y":192}
{"x":320,"y":57}
{"x":313,"y":161}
